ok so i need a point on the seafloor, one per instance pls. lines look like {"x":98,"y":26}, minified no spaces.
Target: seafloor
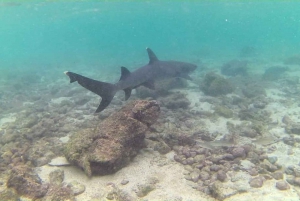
{"x":230,"y":134}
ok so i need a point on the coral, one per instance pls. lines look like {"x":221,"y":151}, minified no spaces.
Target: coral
{"x":56,"y":177}
{"x":215,"y":85}
{"x":234,"y":68}
{"x":112,"y":143}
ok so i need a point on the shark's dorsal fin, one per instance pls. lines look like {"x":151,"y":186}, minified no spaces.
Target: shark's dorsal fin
{"x":149,"y":84}
{"x":152,"y":56}
{"x":124,"y":73}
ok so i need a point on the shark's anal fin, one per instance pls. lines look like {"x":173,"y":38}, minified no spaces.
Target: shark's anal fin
{"x":124,"y":73}
{"x":152,"y":56}
{"x":149,"y":84}
{"x":127,"y":93}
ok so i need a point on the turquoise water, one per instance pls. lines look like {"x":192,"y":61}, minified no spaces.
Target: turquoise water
{"x":112,"y":33}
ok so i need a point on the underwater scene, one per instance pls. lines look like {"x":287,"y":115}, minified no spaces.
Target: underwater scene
{"x":149,"y":100}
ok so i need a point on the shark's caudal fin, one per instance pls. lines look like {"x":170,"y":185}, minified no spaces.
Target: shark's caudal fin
{"x":106,"y":90}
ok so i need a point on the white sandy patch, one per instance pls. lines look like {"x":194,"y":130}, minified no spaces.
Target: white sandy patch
{"x":60,"y":99}
{"x":147,"y":164}
{"x":7,"y":119}
{"x":267,"y":192}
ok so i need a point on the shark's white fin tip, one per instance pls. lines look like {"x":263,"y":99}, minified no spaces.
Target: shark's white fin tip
{"x":66,"y":72}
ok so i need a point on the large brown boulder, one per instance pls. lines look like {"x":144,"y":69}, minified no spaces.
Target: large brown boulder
{"x":114,"y":142}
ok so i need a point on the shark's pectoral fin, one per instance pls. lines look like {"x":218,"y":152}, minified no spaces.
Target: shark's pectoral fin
{"x":149,"y":84}
{"x":185,"y":76}
{"x":127,"y":93}
{"x":124,"y":73}
{"x":152,"y":56}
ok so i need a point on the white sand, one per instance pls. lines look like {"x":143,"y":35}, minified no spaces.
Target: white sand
{"x":146,"y":165}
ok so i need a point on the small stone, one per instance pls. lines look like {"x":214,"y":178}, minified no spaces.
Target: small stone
{"x":221,"y":175}
{"x":278,"y":175}
{"x":190,"y":160}
{"x":199,"y":158}
{"x":215,"y":167}
{"x":272,"y":159}
{"x":40,"y":161}
{"x":76,"y":187}
{"x":124,"y":181}
{"x":238,"y":152}
{"x":56,"y":177}
{"x":282,"y":185}
{"x":194,"y":176}
{"x":256,"y":182}
{"x":204,"y":176}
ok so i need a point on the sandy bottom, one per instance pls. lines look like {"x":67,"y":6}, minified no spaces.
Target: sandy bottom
{"x":146,"y":166}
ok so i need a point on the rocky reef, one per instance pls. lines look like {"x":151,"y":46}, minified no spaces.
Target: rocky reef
{"x":234,"y":68}
{"x":114,"y":142}
{"x":215,"y":85}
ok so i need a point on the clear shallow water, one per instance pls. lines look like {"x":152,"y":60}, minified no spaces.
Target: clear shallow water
{"x":51,"y":35}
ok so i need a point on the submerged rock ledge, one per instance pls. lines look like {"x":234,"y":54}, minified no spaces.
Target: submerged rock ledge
{"x":114,"y":142}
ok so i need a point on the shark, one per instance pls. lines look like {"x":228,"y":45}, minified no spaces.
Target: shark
{"x":142,"y":76}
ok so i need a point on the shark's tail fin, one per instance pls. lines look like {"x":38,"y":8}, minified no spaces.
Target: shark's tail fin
{"x":106,"y":90}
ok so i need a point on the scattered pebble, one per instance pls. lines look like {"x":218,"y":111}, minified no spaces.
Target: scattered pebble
{"x":256,"y":182}
{"x":282,"y":185}
{"x":76,"y":187}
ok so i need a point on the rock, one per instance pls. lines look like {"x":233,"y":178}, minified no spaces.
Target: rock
{"x":56,"y":177}
{"x":221,"y":192}
{"x":215,"y":85}
{"x":147,"y":187}
{"x":282,"y":185}
{"x":221,"y":176}
{"x":76,"y":187}
{"x":41,"y":161}
{"x":234,"y":68}
{"x":253,"y":90}
{"x":277,"y":175}
{"x":176,"y":101}
{"x":113,"y":142}
{"x":26,"y":182}
{"x":9,"y":195}
{"x":238,"y":152}
{"x":223,"y":111}
{"x":194,"y":176}
{"x":124,"y":182}
{"x":256,"y":182}
{"x":293,"y":128}
{"x":59,"y":161}
{"x":272,"y":159}
{"x":58,"y":193}
{"x":293,"y":60}
{"x":274,"y":73}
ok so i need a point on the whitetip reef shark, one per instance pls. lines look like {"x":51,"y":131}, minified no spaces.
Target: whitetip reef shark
{"x":143,"y":76}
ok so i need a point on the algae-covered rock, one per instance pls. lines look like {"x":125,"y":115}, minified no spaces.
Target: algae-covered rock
{"x":112,"y":143}
{"x":215,"y":85}
{"x":26,"y":182}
